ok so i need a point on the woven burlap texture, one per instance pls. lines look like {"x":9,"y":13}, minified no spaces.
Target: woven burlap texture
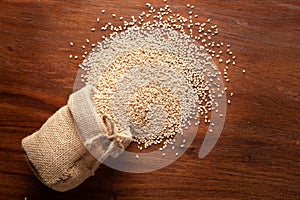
{"x":56,"y":152}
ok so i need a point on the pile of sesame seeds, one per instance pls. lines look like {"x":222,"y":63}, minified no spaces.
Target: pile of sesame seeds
{"x":129,"y":68}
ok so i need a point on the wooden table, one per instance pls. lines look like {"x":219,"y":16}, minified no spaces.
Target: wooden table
{"x":257,"y":156}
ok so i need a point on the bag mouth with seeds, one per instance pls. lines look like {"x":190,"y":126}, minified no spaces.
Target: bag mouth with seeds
{"x":56,"y":153}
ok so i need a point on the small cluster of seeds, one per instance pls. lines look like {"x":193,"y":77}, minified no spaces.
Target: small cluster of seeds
{"x":113,"y":60}
{"x":142,"y":114}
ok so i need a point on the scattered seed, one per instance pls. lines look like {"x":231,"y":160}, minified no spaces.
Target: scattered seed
{"x":204,"y":35}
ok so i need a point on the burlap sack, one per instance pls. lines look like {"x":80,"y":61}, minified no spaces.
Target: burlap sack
{"x":56,"y":152}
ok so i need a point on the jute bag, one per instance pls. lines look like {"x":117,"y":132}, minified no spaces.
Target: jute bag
{"x":57,"y":154}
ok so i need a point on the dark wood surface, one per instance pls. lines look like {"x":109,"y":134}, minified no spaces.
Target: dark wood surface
{"x":257,"y":156}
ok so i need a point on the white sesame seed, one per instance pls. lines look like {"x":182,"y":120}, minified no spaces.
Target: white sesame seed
{"x":71,"y":43}
{"x":228,"y":101}
{"x":208,"y":20}
{"x":137,"y":156}
{"x":113,"y":15}
{"x":244,"y":71}
{"x":98,"y":19}
{"x":93,"y":29}
{"x":103,"y":11}
{"x":76,"y":57}
{"x":70,"y":56}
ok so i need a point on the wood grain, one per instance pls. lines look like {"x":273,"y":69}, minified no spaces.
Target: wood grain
{"x":257,"y":156}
